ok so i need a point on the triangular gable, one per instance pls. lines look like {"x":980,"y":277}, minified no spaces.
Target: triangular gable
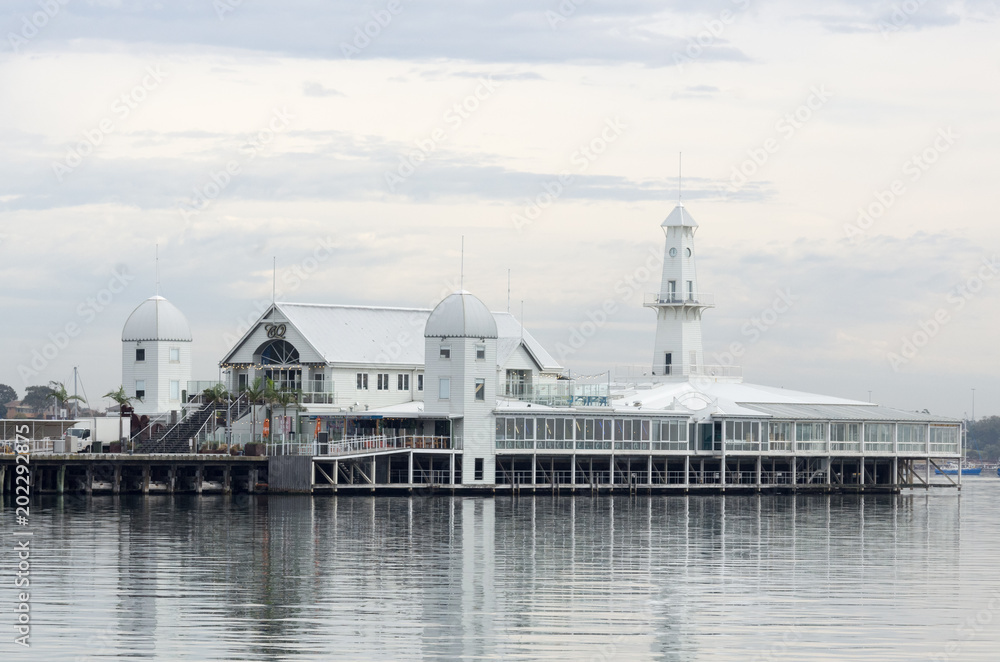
{"x":272,"y":324}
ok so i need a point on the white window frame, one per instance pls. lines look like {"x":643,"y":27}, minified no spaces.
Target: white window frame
{"x":444,"y":388}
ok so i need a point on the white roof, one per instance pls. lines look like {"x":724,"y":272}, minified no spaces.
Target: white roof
{"x":372,"y":334}
{"x":756,"y":400}
{"x":679,"y":216}
{"x":156,"y":319}
{"x":461,"y":315}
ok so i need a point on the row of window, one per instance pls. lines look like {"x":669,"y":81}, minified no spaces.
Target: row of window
{"x":174,"y":352}
{"x":383,"y":382}
{"x":590,"y":429}
{"x":175,"y":389}
{"x":751,"y":431}
{"x":445,"y":352}
{"x":444,"y":389}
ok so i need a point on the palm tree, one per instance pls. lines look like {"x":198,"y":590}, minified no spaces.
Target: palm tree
{"x":58,"y":392}
{"x":122,"y":400}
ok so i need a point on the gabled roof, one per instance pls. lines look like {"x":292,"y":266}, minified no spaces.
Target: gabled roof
{"x":375,"y":334}
{"x":510,"y":336}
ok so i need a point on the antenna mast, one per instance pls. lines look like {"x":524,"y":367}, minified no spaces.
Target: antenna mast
{"x":508,"y":290}
{"x":679,"y":164}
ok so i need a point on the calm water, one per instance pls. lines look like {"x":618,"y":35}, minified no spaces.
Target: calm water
{"x":650,"y":578}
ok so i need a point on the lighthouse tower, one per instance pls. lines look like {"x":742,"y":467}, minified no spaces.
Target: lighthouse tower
{"x":679,"y":304}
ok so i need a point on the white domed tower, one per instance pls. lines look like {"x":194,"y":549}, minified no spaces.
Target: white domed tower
{"x":460,"y":364}
{"x":156,"y":356}
{"x":679,"y":303}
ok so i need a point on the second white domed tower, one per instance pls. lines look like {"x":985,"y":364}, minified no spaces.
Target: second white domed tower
{"x":460,"y":364}
{"x":156,"y":356}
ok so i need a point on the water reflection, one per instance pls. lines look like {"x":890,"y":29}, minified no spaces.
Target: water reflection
{"x":664,"y":577}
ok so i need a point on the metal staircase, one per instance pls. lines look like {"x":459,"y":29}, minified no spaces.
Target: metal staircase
{"x":176,"y":439}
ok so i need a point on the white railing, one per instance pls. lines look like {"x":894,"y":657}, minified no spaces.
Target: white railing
{"x":366,"y":444}
{"x":678,"y":299}
{"x":39,"y":446}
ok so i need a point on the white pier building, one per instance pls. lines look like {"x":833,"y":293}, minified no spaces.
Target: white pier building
{"x":462,"y":396}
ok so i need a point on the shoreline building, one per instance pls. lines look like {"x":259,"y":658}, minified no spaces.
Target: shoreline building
{"x":462,"y":396}
{"x":156,"y":357}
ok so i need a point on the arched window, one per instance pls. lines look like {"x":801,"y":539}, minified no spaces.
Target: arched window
{"x":279,"y":352}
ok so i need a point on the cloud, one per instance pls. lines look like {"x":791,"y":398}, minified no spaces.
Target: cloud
{"x":313,"y":89}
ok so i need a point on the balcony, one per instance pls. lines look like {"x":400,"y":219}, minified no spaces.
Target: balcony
{"x":654,"y":299}
{"x":563,"y":393}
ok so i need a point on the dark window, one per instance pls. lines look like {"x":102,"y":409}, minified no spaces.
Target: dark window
{"x":383,"y":381}
{"x":140,"y":355}
{"x":480,"y":352}
{"x":445,"y":351}
{"x":402,"y":382}
{"x":362,"y":381}
{"x":666,"y":364}
{"x":479,"y":468}
{"x":420,"y":382}
{"x":480,"y":389}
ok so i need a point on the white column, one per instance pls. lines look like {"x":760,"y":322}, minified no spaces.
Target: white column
{"x":409,"y":457}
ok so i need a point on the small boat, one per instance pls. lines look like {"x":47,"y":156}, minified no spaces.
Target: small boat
{"x":952,"y":470}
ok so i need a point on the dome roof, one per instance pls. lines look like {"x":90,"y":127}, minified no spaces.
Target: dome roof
{"x":461,"y":315}
{"x":156,"y":319}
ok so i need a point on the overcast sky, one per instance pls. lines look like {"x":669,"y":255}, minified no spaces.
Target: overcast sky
{"x":232,"y":132}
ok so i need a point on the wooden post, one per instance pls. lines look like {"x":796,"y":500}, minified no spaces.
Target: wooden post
{"x":146,"y":471}
{"x":116,"y":479}
{"x":61,"y":479}
{"x":198,"y":475}
{"x":89,"y":486}
{"x":227,"y":477}
{"x":252,"y":479}
{"x":171,"y":478}
{"x":3,"y":478}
